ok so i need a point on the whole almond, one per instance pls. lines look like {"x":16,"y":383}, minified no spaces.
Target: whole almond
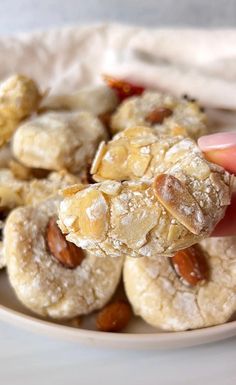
{"x":114,"y":317}
{"x":177,"y":200}
{"x":65,"y":252}
{"x":158,"y":115}
{"x":191,"y":265}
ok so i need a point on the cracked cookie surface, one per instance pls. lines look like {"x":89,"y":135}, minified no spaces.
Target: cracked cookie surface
{"x":173,"y":197}
{"x":42,"y":283}
{"x":164,"y":113}
{"x":116,"y":218}
{"x":19,"y":97}
{"x":164,"y":301}
{"x":58,"y":140}
{"x":16,"y":192}
{"x":138,"y":153}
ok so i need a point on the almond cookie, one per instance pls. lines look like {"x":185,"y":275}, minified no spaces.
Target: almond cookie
{"x":164,"y":113}
{"x":138,"y":153}
{"x":15,"y":192}
{"x":146,"y":218}
{"x":165,"y":301}
{"x":58,"y":140}
{"x":50,"y":276}
{"x":19,"y":97}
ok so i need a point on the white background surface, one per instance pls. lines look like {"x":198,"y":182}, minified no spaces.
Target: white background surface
{"x":29,"y":359}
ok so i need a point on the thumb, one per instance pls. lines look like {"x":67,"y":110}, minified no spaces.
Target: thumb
{"x":221,"y":149}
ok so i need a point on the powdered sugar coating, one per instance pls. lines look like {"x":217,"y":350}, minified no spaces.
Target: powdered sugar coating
{"x":139,"y":222}
{"x":15,"y":192}
{"x":162,"y":300}
{"x":133,"y":221}
{"x":187,"y":118}
{"x":19,"y":97}
{"x":44,"y":285}
{"x":59,"y":140}
{"x":178,"y":156}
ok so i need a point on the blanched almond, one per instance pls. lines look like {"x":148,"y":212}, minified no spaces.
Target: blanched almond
{"x":137,"y":132}
{"x":132,"y":229}
{"x":71,"y":190}
{"x":137,"y":162}
{"x":113,"y":164}
{"x":98,"y":157}
{"x":177,"y":200}
{"x":93,"y":214}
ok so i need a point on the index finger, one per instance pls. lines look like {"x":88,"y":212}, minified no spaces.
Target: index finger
{"x":220,"y":149}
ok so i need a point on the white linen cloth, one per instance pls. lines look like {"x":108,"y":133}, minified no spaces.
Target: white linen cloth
{"x":201,"y":63}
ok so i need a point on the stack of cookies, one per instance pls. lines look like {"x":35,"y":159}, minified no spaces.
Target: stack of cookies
{"x":105,"y":181}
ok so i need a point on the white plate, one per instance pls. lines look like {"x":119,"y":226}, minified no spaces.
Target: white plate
{"x":138,"y":336}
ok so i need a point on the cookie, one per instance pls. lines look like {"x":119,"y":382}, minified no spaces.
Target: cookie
{"x":164,"y":301}
{"x":139,"y":153}
{"x":44,"y":284}
{"x":58,"y":140}
{"x":174,"y":197}
{"x":97,"y":100}
{"x":19,"y":97}
{"x":15,"y":192}
{"x":146,"y":218}
{"x":165,"y":114}
{"x":11,"y":190}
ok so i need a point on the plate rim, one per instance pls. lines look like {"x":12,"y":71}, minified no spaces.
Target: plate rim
{"x":120,"y":340}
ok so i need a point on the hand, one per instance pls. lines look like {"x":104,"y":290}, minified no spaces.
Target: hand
{"x":221,"y":149}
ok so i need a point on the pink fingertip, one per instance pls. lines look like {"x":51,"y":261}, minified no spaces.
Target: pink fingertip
{"x":218,"y":141}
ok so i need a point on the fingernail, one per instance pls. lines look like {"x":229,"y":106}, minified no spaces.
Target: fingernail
{"x":217,"y":141}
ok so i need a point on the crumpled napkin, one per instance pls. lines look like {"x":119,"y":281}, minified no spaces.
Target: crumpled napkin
{"x":200,"y":63}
